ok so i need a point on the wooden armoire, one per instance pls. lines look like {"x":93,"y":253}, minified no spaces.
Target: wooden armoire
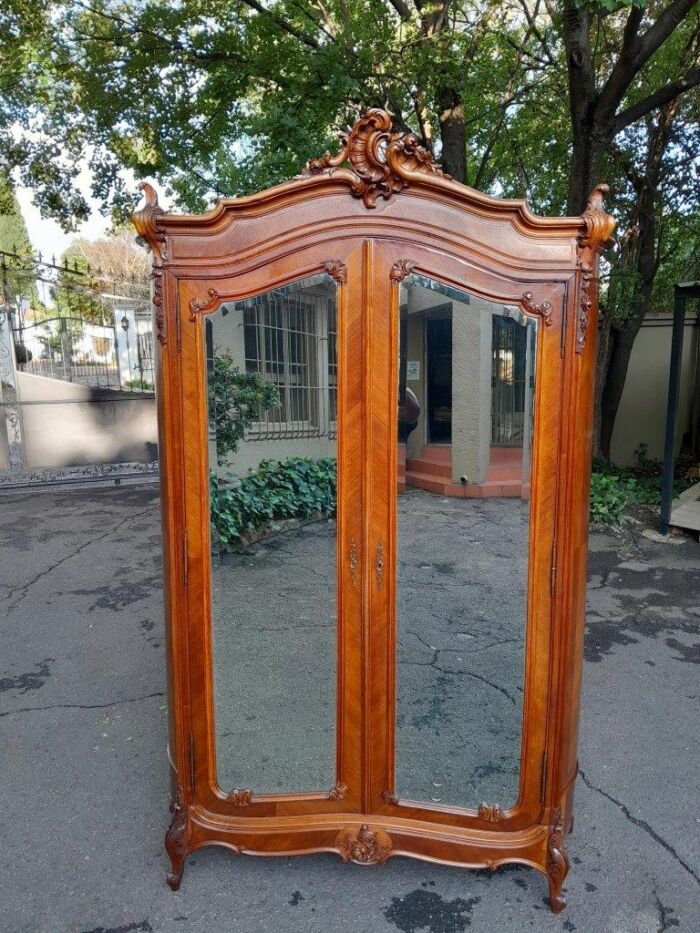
{"x":375,"y":391}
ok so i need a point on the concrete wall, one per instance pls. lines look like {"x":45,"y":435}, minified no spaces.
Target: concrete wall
{"x":66,"y":424}
{"x":641,"y":416}
{"x":471,"y":389}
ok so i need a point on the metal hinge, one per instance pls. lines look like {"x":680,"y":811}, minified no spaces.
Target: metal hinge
{"x":543,"y":777}
{"x":553,"y":577}
{"x":185,"y":557}
{"x":191,"y":752}
{"x":178,"y":331}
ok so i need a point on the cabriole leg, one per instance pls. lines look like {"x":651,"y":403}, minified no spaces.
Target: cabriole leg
{"x":557,"y":862}
{"x":176,"y":844}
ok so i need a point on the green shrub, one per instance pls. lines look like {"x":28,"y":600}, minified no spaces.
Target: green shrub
{"x":614,"y":489}
{"x":611,"y":494}
{"x":278,"y":490}
{"x":236,"y":399}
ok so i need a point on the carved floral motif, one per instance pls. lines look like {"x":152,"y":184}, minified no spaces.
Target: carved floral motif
{"x":544,"y":309}
{"x":338,"y":792}
{"x":203,"y":305}
{"x":400,"y":269}
{"x":149,"y":227}
{"x":557,"y":861}
{"x":492,"y":814}
{"x":363,"y":846}
{"x":381,"y":161}
{"x":337,"y":269}
{"x":241,"y":798}
{"x":599,"y":230}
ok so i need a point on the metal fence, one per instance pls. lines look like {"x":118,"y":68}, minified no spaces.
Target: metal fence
{"x":76,"y":363}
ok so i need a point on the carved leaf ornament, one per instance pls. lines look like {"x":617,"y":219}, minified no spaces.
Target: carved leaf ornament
{"x":599,"y":230}
{"x":381,"y":160}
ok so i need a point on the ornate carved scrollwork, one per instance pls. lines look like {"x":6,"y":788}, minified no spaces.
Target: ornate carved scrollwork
{"x":400,"y":269}
{"x":557,"y":861}
{"x":490,"y":813}
{"x":337,"y":269}
{"x":599,"y":230}
{"x":544,"y":309}
{"x":176,"y":839}
{"x":363,"y":846}
{"x":338,"y":792}
{"x":203,"y":305}
{"x":241,"y":798}
{"x":150,"y":229}
{"x":381,"y":161}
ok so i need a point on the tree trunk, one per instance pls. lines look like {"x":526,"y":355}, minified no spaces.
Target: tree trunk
{"x":605,"y":342}
{"x":452,"y":134}
{"x":645,"y":267}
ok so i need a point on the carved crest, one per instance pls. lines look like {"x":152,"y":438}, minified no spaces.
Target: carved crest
{"x":148,"y":221}
{"x":599,"y":230}
{"x":381,"y":160}
{"x":363,"y":846}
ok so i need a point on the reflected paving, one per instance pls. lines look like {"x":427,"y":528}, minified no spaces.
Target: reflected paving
{"x":461,"y":623}
{"x":275,"y":662}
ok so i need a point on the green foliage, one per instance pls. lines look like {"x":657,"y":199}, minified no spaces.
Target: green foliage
{"x":139,"y":385}
{"x":612,"y":494}
{"x":297,"y":488}
{"x":614,"y":489}
{"x":235,"y":401}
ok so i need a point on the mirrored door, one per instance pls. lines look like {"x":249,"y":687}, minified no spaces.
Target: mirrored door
{"x":461,"y":618}
{"x":272,"y":378}
{"x":466,"y":395}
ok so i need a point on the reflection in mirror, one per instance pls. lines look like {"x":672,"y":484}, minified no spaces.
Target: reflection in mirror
{"x":466,"y":402}
{"x":271,"y":380}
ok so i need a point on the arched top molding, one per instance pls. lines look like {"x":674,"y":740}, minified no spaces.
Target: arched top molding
{"x":376,"y":165}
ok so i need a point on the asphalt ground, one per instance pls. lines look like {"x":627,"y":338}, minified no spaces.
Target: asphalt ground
{"x":84,"y":775}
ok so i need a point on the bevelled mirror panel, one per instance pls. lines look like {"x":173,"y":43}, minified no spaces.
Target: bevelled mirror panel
{"x":271,"y":377}
{"x":465,"y":423}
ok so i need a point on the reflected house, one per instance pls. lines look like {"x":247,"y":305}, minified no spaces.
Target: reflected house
{"x":288,"y":336}
{"x":466,"y":382}
{"x":470,"y":365}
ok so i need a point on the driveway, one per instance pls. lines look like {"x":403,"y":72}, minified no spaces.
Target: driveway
{"x":84,"y":783}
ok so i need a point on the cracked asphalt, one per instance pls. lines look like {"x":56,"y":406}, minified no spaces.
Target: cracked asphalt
{"x":83,"y":771}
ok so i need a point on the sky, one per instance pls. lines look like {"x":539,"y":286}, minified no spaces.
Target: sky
{"x":46,"y":235}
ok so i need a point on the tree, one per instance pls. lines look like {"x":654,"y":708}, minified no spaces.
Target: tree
{"x":608,"y":77}
{"x":16,"y":265}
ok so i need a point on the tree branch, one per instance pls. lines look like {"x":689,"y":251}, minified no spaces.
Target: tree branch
{"x":658,"y":99}
{"x":283,"y":24}
{"x":637,"y":50}
{"x":402,"y":9}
